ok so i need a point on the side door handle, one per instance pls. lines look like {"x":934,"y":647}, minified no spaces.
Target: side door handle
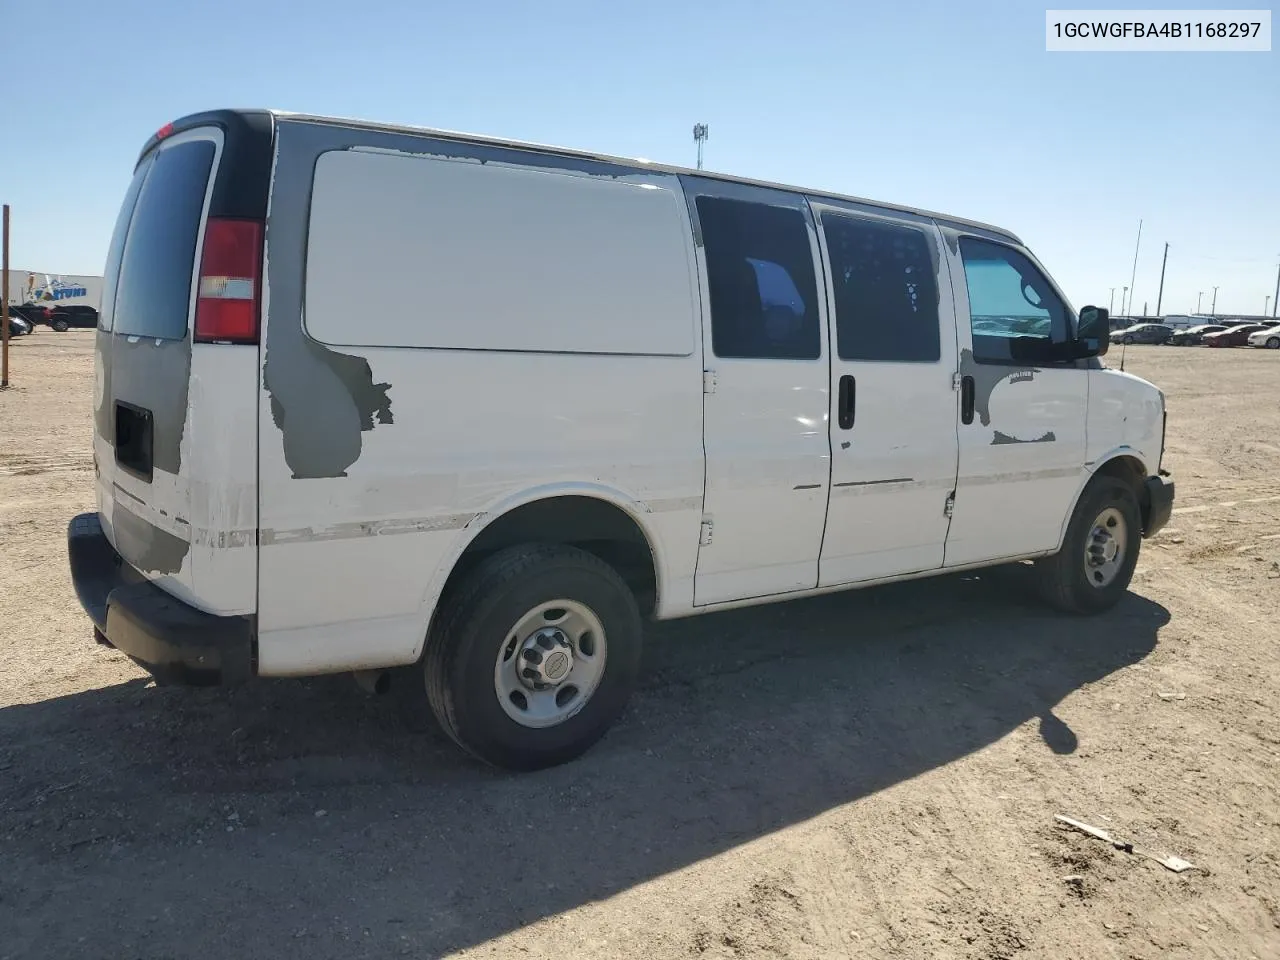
{"x":966,"y":399}
{"x":847,"y":402}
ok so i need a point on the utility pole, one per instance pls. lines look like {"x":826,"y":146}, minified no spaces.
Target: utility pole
{"x":1160,"y":295}
{"x":1198,"y":296}
{"x":1123,"y":294}
{"x":1134,"y":275}
{"x":700,"y":134}
{"x":4,"y":302}
{"x":1266,"y":303}
{"x":1111,"y":307}
{"x":1275,"y":301}
{"x":1213,"y":310}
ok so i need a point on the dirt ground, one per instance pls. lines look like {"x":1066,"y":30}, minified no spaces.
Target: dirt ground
{"x":873,"y":774}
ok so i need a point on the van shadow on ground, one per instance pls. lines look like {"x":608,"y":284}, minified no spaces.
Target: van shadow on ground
{"x":149,"y":823}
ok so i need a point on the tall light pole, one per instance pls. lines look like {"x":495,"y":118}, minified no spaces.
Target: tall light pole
{"x":1160,"y":295}
{"x":700,"y":134}
{"x":1134,"y":275}
{"x":1213,"y":310}
{"x":1124,"y":292}
{"x":1111,"y":308}
{"x":1275,"y":301}
{"x":1266,"y":303}
{"x":1198,"y":296}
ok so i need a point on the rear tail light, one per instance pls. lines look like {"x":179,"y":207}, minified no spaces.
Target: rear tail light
{"x":230,"y":291}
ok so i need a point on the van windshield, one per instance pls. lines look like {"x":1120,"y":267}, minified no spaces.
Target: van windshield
{"x":153,"y":293}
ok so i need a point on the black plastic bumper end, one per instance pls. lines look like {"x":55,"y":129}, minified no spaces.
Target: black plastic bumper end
{"x":1159,"y":505}
{"x":173,"y":640}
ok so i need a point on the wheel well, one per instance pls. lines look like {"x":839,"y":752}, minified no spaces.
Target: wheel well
{"x":1131,"y":471}
{"x":588,"y":523}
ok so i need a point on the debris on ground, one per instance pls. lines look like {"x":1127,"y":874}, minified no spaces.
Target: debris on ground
{"x":1169,"y":862}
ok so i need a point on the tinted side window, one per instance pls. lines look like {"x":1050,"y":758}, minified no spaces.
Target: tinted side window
{"x":1009,"y":301}
{"x":116,"y":251}
{"x":154,"y":291}
{"x":764,"y":299}
{"x":885,"y":289}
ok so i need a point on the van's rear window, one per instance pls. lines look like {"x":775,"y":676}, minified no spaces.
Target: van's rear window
{"x":154,"y":291}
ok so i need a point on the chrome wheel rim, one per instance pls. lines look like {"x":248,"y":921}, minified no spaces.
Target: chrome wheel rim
{"x":550,"y":663}
{"x":1105,"y":548}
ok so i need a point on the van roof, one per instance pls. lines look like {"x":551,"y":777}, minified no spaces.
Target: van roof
{"x":638,"y":164}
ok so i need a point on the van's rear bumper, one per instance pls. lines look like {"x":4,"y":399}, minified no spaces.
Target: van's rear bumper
{"x":173,"y":640}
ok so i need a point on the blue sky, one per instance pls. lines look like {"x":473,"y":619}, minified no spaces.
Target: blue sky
{"x":946,"y":105}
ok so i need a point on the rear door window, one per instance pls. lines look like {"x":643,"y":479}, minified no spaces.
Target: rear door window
{"x":764,"y":297}
{"x":115,"y":252}
{"x":153,"y":294}
{"x":885,"y":291}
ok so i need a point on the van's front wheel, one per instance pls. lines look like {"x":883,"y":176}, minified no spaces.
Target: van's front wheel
{"x":1093,"y":569}
{"x":533,"y":656}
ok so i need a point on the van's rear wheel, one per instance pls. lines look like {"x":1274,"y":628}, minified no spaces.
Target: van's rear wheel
{"x":533,"y":656}
{"x":1093,"y":569}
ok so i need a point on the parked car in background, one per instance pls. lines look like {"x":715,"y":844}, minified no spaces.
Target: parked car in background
{"x":19,"y":326}
{"x":1268,"y":337}
{"x":1143,"y":333}
{"x":1192,"y":336}
{"x":33,"y":313}
{"x":1237,"y":336}
{"x":62,"y":318}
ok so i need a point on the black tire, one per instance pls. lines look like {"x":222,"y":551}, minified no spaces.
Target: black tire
{"x":471,"y":627}
{"x":1273,"y":343}
{"x":1127,"y":340}
{"x":1062,"y":578}
{"x":60,"y":325}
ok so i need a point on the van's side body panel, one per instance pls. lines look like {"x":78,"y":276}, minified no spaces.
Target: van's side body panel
{"x":893,"y":343}
{"x":392,"y":433}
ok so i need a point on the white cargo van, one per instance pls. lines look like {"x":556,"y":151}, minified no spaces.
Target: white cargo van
{"x":607,"y":390}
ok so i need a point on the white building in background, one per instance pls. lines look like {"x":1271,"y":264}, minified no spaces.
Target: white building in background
{"x":31,"y":286}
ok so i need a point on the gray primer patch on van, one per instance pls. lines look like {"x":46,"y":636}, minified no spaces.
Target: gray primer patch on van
{"x":986,"y":377}
{"x":1002,"y":438}
{"x":152,"y":374}
{"x":102,"y":399}
{"x":322,"y":399}
{"x":148,"y":548}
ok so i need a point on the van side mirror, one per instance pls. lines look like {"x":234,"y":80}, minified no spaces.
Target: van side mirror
{"x":1093,"y":332}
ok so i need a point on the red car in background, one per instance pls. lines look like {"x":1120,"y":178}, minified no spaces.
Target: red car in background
{"x":1237,"y":336}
